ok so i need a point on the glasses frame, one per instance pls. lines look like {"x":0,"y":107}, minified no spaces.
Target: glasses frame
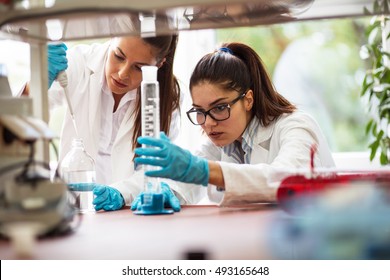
{"x":207,"y":113}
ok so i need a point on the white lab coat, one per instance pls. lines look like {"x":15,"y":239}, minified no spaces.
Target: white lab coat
{"x":279,"y":149}
{"x":85,"y":72}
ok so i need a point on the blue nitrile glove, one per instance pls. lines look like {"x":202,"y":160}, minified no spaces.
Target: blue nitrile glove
{"x":107,"y":198}
{"x":170,"y":200}
{"x":176,"y":163}
{"x":56,"y":60}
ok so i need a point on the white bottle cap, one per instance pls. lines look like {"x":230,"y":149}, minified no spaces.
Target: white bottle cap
{"x":149,"y":73}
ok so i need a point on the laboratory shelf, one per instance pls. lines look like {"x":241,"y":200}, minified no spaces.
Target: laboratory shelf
{"x":67,"y":20}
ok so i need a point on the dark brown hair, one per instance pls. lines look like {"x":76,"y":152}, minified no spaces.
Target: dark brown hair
{"x":169,"y":86}
{"x":238,"y":67}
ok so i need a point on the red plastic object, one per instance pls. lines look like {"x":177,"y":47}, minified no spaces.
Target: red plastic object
{"x":297,"y":186}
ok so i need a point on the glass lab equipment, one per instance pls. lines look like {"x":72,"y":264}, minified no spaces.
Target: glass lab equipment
{"x":78,"y":171}
{"x":152,"y":199}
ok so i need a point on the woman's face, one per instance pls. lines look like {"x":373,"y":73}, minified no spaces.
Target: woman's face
{"x":126,"y":56}
{"x":206,"y":96}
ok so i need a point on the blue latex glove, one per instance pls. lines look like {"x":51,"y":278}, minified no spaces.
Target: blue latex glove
{"x":176,"y":163}
{"x":170,"y":200}
{"x":56,"y":59}
{"x":107,"y":198}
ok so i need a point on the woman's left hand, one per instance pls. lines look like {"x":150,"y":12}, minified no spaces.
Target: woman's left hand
{"x":176,"y":163}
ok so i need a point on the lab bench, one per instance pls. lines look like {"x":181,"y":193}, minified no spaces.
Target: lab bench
{"x":196,"y":232}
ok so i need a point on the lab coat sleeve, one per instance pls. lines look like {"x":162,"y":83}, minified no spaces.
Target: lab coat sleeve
{"x":288,"y":153}
{"x":294,"y":138}
{"x":246,"y":183}
{"x":131,"y":187}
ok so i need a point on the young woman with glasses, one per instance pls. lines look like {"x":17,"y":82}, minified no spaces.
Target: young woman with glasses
{"x":253,"y":132}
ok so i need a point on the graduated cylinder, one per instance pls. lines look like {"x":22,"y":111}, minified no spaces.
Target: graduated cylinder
{"x":150,"y":102}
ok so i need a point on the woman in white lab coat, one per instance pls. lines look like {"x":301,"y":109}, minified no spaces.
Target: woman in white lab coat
{"x":255,"y":135}
{"x":103,"y":84}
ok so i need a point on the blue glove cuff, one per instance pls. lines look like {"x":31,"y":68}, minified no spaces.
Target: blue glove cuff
{"x":197,"y":170}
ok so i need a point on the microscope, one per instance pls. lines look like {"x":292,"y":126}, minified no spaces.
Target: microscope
{"x":34,"y":202}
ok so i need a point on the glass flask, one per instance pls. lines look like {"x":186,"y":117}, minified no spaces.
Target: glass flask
{"x":78,"y":171}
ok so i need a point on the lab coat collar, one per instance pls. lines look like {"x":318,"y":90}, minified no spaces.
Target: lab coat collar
{"x":261,"y":142}
{"x":264,"y":133}
{"x":250,"y":132}
{"x":129,"y":96}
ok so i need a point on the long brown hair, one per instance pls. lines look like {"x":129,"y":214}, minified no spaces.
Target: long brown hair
{"x":238,"y":67}
{"x":169,"y":86}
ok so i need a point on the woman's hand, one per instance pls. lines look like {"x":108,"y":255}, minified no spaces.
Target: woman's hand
{"x":176,"y":163}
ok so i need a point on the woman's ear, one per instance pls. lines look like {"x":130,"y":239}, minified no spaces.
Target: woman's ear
{"x":161,"y":63}
{"x":248,"y":99}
